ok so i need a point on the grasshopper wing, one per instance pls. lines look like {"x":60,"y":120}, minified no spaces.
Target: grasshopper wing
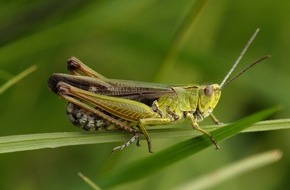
{"x":134,"y":90}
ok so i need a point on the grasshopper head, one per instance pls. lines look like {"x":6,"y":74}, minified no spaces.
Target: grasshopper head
{"x":209,"y":96}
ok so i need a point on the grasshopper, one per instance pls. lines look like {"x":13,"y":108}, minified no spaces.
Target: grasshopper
{"x":99,"y":103}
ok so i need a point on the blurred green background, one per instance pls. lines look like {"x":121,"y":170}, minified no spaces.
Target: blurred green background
{"x":129,"y":40}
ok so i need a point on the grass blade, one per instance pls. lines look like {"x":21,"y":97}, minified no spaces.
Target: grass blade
{"x":89,"y":181}
{"x":17,"y":78}
{"x":177,"y":152}
{"x":246,"y":165}
{"x":15,"y":143}
{"x":180,"y":37}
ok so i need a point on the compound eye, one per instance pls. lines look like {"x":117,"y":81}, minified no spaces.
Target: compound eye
{"x":208,"y":90}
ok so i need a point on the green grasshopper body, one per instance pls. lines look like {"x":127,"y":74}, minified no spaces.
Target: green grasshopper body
{"x":99,"y":103}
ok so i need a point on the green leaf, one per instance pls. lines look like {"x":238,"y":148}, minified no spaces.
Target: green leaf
{"x":177,"y":152}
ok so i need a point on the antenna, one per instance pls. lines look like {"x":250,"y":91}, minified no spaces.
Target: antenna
{"x":239,"y":59}
{"x":245,"y":69}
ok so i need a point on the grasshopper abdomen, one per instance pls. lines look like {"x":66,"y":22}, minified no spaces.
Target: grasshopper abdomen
{"x":86,"y":120}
